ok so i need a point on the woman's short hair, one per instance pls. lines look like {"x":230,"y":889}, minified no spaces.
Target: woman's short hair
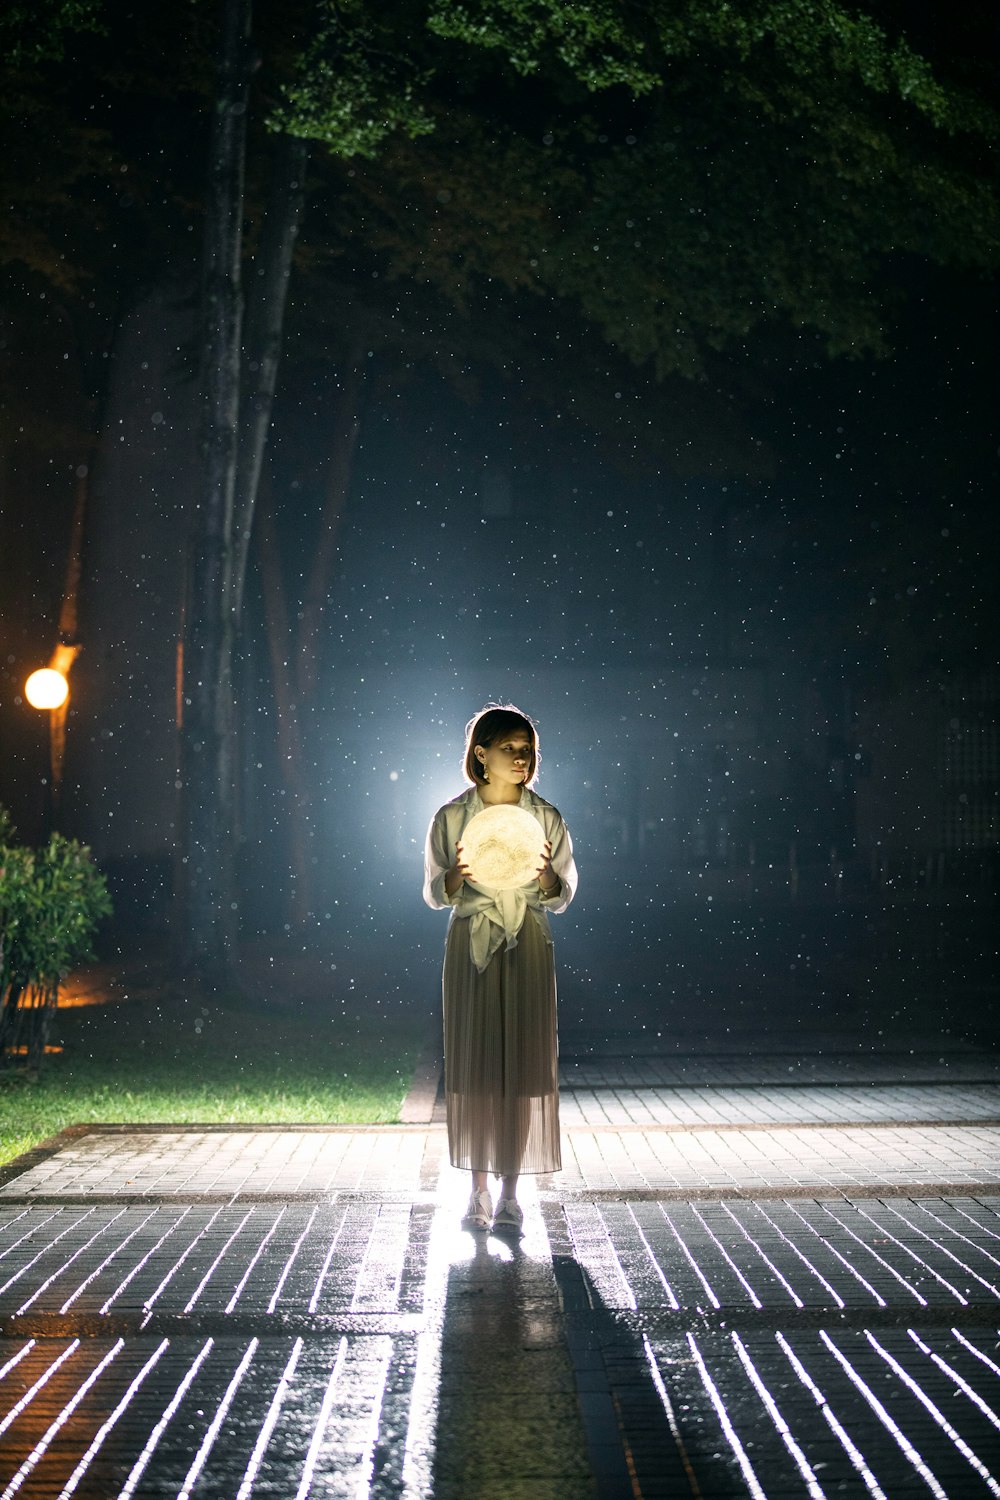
{"x":490,"y":725}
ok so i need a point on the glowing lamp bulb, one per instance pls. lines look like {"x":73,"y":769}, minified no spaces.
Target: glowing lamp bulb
{"x":46,"y":688}
{"x":503,"y":846}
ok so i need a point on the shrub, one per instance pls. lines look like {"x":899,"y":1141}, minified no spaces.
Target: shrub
{"x":51,"y":901}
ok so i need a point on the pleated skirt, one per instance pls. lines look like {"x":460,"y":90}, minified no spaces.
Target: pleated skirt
{"x":501,"y":1055}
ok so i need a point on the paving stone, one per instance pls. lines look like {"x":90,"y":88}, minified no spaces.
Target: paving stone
{"x":228,"y":1164}
{"x":777,"y":1159}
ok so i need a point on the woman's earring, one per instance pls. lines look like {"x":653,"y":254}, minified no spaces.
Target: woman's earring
{"x":486,"y":774}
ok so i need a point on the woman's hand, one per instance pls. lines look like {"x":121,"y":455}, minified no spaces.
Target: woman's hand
{"x":458,"y":873}
{"x":548,"y":880}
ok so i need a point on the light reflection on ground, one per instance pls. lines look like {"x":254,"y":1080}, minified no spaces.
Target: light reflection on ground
{"x":451,"y":1246}
{"x":97,"y":984}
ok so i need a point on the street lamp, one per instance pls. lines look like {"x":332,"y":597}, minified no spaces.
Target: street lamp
{"x":46,"y":688}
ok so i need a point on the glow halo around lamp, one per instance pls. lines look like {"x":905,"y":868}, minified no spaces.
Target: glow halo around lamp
{"x":46,"y":688}
{"x":503,"y":846}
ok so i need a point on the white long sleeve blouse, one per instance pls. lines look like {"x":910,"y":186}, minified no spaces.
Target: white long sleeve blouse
{"x":496,"y":916}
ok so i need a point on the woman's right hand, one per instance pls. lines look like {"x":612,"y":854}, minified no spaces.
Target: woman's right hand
{"x":458,"y":873}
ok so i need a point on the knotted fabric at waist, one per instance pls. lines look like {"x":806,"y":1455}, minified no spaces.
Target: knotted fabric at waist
{"x":497,"y":917}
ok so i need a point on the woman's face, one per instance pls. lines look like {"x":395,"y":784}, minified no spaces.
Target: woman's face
{"x":508,"y":759}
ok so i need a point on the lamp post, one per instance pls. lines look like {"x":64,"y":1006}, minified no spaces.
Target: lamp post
{"x":48,"y":688}
{"x":48,"y":691}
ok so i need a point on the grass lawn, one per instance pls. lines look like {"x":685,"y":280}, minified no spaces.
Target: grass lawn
{"x":172,"y":1062}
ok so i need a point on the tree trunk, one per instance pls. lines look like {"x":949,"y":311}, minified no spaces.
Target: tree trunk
{"x":346,"y":429}
{"x":267,"y":295}
{"x":265,"y":316}
{"x":289,"y":735}
{"x":92,"y":343}
{"x":206,"y":730}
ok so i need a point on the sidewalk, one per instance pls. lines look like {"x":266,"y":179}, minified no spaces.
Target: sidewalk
{"x":754,"y":1276}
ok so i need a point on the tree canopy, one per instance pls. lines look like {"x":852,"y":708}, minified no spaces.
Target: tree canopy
{"x":678,"y":176}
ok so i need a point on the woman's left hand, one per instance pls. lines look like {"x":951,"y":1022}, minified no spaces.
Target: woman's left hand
{"x":545,"y":873}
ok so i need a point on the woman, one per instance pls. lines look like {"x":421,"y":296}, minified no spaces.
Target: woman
{"x":501,"y":1071}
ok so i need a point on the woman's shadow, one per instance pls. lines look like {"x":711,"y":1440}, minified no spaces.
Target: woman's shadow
{"x":505,"y":1369}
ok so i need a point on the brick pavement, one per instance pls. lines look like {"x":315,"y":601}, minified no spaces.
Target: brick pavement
{"x":811,"y":1104}
{"x":779,"y":1300}
{"x":850,"y":1159}
{"x":229,"y":1163}
{"x":390,"y":1164}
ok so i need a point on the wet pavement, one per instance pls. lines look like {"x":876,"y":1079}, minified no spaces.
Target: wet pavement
{"x":757,"y":1275}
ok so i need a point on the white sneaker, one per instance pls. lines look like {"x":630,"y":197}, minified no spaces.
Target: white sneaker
{"x":479,"y":1214}
{"x":508,"y":1218}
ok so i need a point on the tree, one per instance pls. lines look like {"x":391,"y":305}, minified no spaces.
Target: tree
{"x":798,"y":72}
{"x":681,"y":178}
{"x":207,"y":728}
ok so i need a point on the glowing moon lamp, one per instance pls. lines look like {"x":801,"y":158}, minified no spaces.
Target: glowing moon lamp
{"x":46,"y":688}
{"x":503,"y":847}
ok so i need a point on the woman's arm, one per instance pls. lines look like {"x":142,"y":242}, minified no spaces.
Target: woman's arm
{"x":457,"y":875}
{"x":560,"y":864}
{"x":443,"y":878}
